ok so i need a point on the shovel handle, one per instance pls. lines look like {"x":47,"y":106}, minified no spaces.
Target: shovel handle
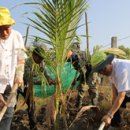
{"x":2,"y":112}
{"x":102,"y":126}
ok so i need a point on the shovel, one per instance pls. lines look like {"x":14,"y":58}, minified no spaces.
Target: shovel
{"x":102,"y":125}
{"x":2,"y":112}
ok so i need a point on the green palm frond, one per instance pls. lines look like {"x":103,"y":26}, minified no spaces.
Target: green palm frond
{"x":57,"y":22}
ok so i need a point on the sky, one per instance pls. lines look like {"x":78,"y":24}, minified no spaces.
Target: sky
{"x":106,"y":18}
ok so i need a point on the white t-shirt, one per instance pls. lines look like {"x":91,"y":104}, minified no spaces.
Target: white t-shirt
{"x":121,"y":75}
{"x":11,"y":50}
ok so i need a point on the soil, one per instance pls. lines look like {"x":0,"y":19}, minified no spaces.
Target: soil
{"x":88,"y":120}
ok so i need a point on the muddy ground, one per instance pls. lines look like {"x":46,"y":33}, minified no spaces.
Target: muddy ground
{"x":88,"y":120}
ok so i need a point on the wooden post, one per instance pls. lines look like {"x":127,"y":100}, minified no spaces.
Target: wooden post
{"x":114,"y":42}
{"x":87,"y":40}
{"x":26,"y":37}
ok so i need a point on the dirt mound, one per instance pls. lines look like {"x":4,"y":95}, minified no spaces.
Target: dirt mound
{"x":20,"y":121}
{"x":88,"y":120}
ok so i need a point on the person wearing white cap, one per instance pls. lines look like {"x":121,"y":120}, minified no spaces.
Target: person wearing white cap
{"x":12,"y":59}
{"x":119,"y":72}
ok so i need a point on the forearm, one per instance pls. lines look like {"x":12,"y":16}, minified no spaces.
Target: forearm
{"x":19,"y":71}
{"x":114,"y":93}
{"x":117,"y":103}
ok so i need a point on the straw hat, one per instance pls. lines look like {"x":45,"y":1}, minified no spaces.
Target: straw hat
{"x":99,"y":60}
{"x":5,"y":17}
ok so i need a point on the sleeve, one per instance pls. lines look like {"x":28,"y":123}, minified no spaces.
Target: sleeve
{"x":122,"y":80}
{"x":21,"y":55}
{"x":21,"y":48}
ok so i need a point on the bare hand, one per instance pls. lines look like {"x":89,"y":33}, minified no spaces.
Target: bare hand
{"x":18,"y":80}
{"x":107,"y":120}
{"x":2,"y":102}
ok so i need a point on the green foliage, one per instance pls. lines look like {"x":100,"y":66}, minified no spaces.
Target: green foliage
{"x":97,"y":48}
{"x":57,"y":22}
{"x":126,"y":50}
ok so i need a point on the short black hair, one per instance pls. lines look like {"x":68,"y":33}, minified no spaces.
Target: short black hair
{"x":36,"y":54}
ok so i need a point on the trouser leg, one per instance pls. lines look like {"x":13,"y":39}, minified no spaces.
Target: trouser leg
{"x":81,"y":91}
{"x":93,"y":93}
{"x":31,"y":111}
{"x":31,"y":108}
{"x":5,"y":123}
{"x":116,"y":120}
